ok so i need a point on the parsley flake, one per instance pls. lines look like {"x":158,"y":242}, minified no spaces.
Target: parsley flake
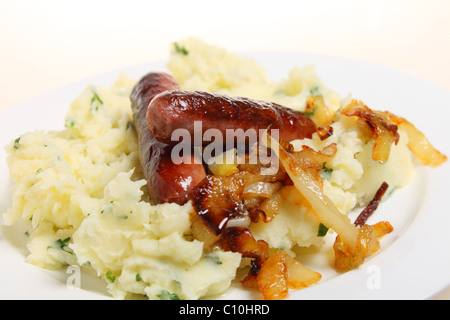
{"x":17,"y":143}
{"x":110,"y":277}
{"x":166,"y":295}
{"x":180,"y":49}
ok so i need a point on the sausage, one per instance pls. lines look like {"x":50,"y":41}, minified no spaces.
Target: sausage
{"x":176,"y":109}
{"x":166,"y":181}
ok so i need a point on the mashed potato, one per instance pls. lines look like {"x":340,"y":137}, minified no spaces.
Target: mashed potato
{"x":197,"y":65}
{"x":82,"y":191}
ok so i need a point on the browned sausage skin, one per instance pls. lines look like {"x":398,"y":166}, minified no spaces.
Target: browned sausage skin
{"x":166,"y":181}
{"x":177,"y":109}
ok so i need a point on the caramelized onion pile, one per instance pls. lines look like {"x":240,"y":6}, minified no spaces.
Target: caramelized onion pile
{"x":280,"y":273}
{"x":383,"y":131}
{"x":383,"y":127}
{"x":234,"y":196}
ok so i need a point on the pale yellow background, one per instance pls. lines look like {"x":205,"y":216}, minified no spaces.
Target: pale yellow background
{"x":47,"y":44}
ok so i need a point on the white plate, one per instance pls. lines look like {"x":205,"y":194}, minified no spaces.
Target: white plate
{"x":414,"y":262}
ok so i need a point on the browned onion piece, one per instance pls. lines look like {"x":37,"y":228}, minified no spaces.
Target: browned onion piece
{"x":241,"y":240}
{"x":372,"y":206}
{"x":382,"y":228}
{"x":261,"y":189}
{"x":217,"y":199}
{"x":383,"y":132}
{"x":280,"y":273}
{"x":418,"y":143}
{"x":346,"y":258}
{"x":267,"y":210}
{"x":271,"y":279}
{"x":325,"y":132}
{"x":367,"y":244}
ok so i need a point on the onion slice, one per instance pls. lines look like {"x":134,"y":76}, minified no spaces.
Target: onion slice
{"x":261,"y":189}
{"x":418,"y":143}
{"x":372,"y":206}
{"x":280,"y":273}
{"x":345,"y":260}
{"x":383,"y":132}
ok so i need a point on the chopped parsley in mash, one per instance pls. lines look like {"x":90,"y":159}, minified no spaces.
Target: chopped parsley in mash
{"x":81,"y":189}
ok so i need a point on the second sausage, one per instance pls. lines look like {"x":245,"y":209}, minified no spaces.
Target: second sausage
{"x":176,"y":109}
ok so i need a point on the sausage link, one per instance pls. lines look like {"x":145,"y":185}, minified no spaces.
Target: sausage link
{"x":176,"y":109}
{"x":166,"y":181}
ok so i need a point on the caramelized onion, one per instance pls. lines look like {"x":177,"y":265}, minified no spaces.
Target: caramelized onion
{"x":325,"y":132}
{"x":261,"y":189}
{"x":382,"y":228}
{"x":280,"y":273}
{"x":241,"y":240}
{"x":383,"y":131}
{"x":368,"y":236}
{"x":312,"y":161}
{"x":217,"y":199}
{"x":367,"y":244}
{"x":267,"y":210}
{"x":298,"y":276}
{"x":418,"y":143}
{"x":346,"y":258}
{"x":272,"y":280}
{"x":241,"y":221}
{"x":372,"y":206}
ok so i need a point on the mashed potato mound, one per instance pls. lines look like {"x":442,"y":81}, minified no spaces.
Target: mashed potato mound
{"x":82,"y":191}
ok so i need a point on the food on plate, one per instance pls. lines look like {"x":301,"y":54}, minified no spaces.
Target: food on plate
{"x":166,"y":181}
{"x":418,"y":142}
{"x":114,"y":192}
{"x":384,"y":132}
{"x":177,"y":109}
{"x":372,"y":206}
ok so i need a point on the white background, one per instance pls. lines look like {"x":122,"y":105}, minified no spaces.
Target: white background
{"x":46,"y":44}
